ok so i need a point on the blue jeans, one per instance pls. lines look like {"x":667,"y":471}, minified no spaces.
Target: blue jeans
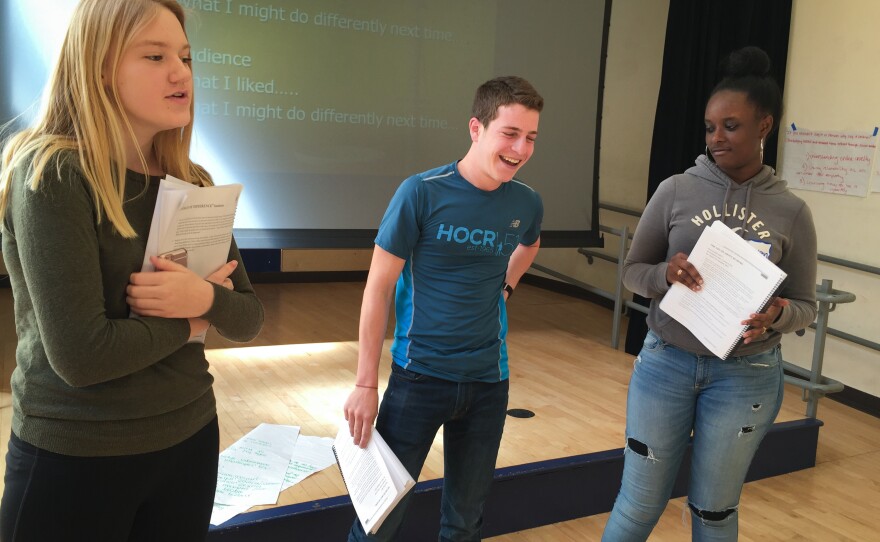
{"x":472,"y":415}
{"x":729,"y":405}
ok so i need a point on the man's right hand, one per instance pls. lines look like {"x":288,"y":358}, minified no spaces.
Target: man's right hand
{"x":361,"y":409}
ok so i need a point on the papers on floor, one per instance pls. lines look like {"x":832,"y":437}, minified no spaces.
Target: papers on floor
{"x":266,"y":461}
{"x":310,"y":455}
{"x":737,"y":281}
{"x":375,"y":478}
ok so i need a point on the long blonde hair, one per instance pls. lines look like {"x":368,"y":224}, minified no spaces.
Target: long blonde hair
{"x":82,"y":114}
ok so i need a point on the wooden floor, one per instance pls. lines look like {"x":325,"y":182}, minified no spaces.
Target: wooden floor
{"x":301,"y":368}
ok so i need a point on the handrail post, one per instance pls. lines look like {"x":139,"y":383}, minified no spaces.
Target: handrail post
{"x":618,"y":292}
{"x":819,"y":349}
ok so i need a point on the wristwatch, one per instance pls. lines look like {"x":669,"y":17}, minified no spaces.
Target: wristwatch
{"x":509,"y":289}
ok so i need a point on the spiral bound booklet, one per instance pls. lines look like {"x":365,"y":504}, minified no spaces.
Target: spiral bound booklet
{"x":374,"y":477}
{"x":737,"y":281}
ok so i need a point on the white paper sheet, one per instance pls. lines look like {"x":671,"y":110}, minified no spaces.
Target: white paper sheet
{"x":263,"y":450}
{"x":310,"y":455}
{"x":252,"y":470}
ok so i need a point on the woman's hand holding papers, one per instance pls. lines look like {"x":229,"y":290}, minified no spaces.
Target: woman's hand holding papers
{"x":759,"y":323}
{"x":679,"y":269}
{"x":175,"y":291}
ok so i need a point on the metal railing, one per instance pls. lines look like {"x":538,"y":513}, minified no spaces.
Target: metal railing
{"x":815,"y":386}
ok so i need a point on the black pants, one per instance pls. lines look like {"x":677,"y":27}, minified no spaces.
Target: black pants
{"x":159,"y":496}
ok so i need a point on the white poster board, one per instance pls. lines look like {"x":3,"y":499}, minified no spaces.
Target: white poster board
{"x":831,"y":162}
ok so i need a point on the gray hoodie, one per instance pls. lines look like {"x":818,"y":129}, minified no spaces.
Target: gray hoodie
{"x":762,"y":210}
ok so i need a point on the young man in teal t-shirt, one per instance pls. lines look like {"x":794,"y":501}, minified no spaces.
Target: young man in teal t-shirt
{"x":454,"y":243}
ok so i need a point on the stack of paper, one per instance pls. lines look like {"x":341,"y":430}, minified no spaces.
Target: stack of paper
{"x":375,"y":478}
{"x":196,"y":220}
{"x":737,"y":281}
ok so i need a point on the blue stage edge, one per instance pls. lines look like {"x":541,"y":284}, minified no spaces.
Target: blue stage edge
{"x":523,"y":497}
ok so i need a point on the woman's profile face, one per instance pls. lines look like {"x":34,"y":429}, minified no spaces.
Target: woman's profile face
{"x":734,"y":130}
{"x":154,"y":78}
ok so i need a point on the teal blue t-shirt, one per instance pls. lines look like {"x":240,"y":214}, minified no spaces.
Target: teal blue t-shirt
{"x":456,"y":240}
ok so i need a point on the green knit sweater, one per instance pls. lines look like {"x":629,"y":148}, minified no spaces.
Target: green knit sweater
{"x":89,"y":380}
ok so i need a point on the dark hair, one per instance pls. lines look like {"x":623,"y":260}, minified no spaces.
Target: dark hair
{"x":501,"y":91}
{"x":748,"y":70}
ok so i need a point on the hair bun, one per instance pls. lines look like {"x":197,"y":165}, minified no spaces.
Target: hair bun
{"x":745,"y":62}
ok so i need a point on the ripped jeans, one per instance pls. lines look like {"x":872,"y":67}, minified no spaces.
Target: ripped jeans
{"x":728,"y":404}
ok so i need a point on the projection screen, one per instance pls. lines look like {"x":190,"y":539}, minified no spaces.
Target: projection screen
{"x":320,"y":108}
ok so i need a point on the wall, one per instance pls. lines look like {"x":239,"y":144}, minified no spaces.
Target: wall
{"x":632,"y":81}
{"x":831,"y":85}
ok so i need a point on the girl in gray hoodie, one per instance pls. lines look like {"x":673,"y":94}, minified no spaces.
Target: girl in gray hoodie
{"x":678,"y":386}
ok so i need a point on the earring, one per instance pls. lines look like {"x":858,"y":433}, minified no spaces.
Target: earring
{"x":762,"y":150}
